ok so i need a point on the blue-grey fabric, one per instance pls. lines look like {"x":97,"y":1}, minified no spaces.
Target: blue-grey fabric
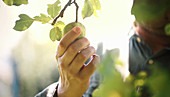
{"x":94,"y":83}
{"x":140,"y":54}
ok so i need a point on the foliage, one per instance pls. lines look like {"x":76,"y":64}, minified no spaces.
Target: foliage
{"x":144,"y":84}
{"x":87,"y":9}
{"x":54,"y":12}
{"x":112,"y":84}
{"x":15,"y":2}
{"x":24,"y":22}
{"x":43,"y":18}
{"x":53,"y":9}
{"x":157,"y":84}
{"x":55,"y":34}
{"x":96,"y":6}
{"x":91,"y":7}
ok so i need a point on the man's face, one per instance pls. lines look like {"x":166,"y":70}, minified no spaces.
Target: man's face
{"x":154,"y":15}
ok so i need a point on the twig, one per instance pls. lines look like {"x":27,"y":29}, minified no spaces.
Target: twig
{"x":77,"y":7}
{"x":65,"y":7}
{"x":62,"y":12}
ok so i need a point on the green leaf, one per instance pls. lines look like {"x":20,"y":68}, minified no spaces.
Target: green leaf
{"x":24,"y":22}
{"x":167,"y":29}
{"x":87,"y":10}
{"x":96,"y":6}
{"x":8,"y":2}
{"x":55,"y":34}
{"x":43,"y":18}
{"x":54,"y":9}
{"x":60,"y":25}
{"x":15,"y":2}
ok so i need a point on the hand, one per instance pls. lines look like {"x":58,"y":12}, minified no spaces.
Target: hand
{"x":71,"y":56}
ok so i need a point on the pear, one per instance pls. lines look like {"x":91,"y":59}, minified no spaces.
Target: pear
{"x":71,"y":25}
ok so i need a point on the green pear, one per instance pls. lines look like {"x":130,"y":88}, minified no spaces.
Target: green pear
{"x":70,"y":26}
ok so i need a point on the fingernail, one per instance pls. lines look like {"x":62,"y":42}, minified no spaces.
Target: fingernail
{"x":77,"y":29}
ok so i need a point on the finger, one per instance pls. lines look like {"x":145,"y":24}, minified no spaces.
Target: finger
{"x":67,"y":40}
{"x":88,"y":70}
{"x":73,"y":50}
{"x":80,"y":59}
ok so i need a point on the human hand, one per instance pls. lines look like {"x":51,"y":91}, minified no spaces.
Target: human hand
{"x":71,"y":56}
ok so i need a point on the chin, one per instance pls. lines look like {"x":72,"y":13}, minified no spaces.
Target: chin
{"x":156,"y":30}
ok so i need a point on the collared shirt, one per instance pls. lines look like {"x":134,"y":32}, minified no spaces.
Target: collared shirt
{"x":141,"y":56}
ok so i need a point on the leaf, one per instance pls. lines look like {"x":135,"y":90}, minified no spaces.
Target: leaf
{"x":60,"y":25}
{"x":87,"y":10}
{"x":24,"y":22}
{"x":167,"y":29}
{"x":15,"y":2}
{"x":54,"y":9}
{"x":43,"y":18}
{"x":8,"y":2}
{"x":55,"y":34}
{"x":96,"y":6}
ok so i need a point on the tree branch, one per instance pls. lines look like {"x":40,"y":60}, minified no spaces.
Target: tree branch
{"x":77,"y":7}
{"x":62,"y":12}
{"x":65,"y":7}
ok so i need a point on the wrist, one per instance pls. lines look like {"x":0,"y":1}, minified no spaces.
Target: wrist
{"x":69,"y":92}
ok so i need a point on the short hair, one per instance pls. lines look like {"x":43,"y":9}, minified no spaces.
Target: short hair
{"x":153,"y":1}
{"x":145,"y":10}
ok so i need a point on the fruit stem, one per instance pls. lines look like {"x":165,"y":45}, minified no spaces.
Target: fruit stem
{"x":77,"y":7}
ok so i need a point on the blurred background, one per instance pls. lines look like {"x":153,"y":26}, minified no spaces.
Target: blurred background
{"x":27,"y":58}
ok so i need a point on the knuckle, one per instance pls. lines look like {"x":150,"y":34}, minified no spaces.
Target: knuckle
{"x":61,"y":45}
{"x":61,"y":64}
{"x":92,"y":48}
{"x":56,"y":56}
{"x":82,"y":56}
{"x":96,"y":60}
{"x":85,"y":39}
{"x":73,"y":47}
{"x":92,"y":67}
{"x":71,"y":72}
